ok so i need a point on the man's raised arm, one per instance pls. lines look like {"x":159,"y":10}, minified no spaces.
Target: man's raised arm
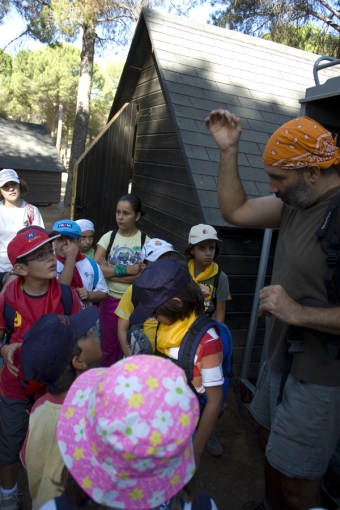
{"x":262,"y":212}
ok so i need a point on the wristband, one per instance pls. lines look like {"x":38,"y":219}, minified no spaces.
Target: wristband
{"x":120,"y":270}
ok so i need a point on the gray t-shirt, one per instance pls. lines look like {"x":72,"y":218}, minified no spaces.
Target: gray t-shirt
{"x":300,"y":266}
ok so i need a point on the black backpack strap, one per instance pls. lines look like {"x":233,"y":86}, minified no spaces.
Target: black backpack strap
{"x":189,"y":344}
{"x":142,"y":238}
{"x":9,"y":315}
{"x":134,"y":297}
{"x":66,"y":298}
{"x":329,"y":236}
{"x":216,"y":282}
{"x":109,"y":246}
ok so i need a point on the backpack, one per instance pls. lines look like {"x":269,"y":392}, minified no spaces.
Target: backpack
{"x":137,"y":340}
{"x":189,"y":345}
{"x":95,"y":271}
{"x":112,"y":238}
{"x":214,"y":294}
{"x":9,"y":312}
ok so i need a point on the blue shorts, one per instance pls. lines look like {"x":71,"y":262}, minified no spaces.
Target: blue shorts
{"x":304,"y":428}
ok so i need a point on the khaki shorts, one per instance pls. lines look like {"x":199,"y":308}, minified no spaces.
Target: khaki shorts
{"x":304,"y":428}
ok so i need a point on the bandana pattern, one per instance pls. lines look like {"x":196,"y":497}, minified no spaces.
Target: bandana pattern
{"x":125,"y":432}
{"x":299,"y":143}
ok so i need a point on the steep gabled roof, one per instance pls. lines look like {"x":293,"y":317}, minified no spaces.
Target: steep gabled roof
{"x":26,"y":146}
{"x":202,"y":68}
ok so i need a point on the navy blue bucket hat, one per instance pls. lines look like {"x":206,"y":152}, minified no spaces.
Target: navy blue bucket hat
{"x":47,"y":346}
{"x":157,"y":284}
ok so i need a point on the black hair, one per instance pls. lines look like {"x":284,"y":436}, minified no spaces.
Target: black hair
{"x":135,"y":202}
{"x":189,"y":255}
{"x":192,"y":301}
{"x":69,"y":375}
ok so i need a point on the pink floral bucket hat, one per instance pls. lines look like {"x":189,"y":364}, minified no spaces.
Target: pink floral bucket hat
{"x":124,"y":432}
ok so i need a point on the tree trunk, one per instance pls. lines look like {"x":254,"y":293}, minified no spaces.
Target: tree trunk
{"x":83,"y":105}
{"x":60,"y":127}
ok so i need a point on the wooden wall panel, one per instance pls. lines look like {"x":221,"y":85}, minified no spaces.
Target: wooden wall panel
{"x":43,"y":187}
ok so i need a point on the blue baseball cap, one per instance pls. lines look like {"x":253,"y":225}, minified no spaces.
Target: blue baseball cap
{"x":67,"y":228}
{"x":48,"y":345}
{"x":158,"y":282}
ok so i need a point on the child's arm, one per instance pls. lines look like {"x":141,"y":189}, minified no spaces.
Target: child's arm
{"x":208,"y":419}
{"x":220,"y":311}
{"x":94,"y":296}
{"x":123,"y":328}
{"x":70,"y":252}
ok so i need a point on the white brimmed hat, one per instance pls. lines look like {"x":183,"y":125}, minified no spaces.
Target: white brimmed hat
{"x":7,"y":175}
{"x":201,"y":232}
{"x":154,"y":248}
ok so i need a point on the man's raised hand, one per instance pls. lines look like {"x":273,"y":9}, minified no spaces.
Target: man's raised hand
{"x":225,"y":127}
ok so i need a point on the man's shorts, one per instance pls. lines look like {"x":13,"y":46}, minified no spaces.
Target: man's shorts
{"x":304,"y":428}
{"x":13,"y":427}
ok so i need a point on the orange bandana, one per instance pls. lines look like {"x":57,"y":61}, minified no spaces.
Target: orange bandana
{"x":299,"y":143}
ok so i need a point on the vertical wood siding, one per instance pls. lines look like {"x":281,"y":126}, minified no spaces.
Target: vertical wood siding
{"x":43,"y":187}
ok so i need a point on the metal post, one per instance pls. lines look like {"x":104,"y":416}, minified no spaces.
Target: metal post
{"x":254,"y":313}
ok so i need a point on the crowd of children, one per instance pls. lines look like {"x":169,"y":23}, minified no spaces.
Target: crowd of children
{"x":129,"y":434}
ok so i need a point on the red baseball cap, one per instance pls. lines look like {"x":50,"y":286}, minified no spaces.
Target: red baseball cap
{"x":28,"y":239}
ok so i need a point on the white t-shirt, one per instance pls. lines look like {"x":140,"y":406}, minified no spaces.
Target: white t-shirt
{"x":87,"y":275}
{"x":13,"y":219}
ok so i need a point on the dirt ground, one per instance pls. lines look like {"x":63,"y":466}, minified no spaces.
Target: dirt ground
{"x":235,"y":478}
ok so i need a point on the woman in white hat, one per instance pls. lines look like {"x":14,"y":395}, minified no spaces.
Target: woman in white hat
{"x":15,"y":214}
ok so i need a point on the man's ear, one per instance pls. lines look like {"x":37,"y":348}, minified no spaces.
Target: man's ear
{"x":79,"y":364}
{"x":178,"y":301}
{"x":313,"y":173}
{"x":21,"y":269}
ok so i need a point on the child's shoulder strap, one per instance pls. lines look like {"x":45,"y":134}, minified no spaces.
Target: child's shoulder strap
{"x":109,"y":246}
{"x":8,"y":315}
{"x":189,"y":344}
{"x":142,"y":238}
{"x":216,"y":282}
{"x":95,"y":271}
{"x":66,"y":298}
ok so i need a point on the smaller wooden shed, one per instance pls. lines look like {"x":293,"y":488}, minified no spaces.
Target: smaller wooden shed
{"x":28,"y":149}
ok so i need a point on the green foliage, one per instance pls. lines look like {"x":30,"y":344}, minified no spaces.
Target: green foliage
{"x":34,"y":83}
{"x":312,"y":25}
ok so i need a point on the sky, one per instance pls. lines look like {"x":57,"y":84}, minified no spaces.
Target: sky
{"x":13,"y":26}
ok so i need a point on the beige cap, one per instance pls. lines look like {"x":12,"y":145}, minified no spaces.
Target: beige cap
{"x":201,"y":232}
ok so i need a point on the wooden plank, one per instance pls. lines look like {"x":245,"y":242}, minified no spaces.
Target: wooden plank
{"x":154,"y":113}
{"x":166,"y":219}
{"x":165,"y":189}
{"x":43,"y":187}
{"x":146,"y":88}
{"x":167,"y":204}
{"x":149,"y":73}
{"x":241,"y":265}
{"x":238,"y":354}
{"x":240,"y":337}
{"x":150,"y":100}
{"x":164,"y":156}
{"x":237,"y":321}
{"x":158,"y":141}
{"x":240,"y":303}
{"x":177,"y":174}
{"x":241,"y":284}
{"x":244,"y":244}
{"x":157,"y":230}
{"x":156,"y":126}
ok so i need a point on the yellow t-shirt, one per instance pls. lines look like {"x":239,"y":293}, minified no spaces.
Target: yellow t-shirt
{"x":125,"y":309}
{"x":124,"y":251}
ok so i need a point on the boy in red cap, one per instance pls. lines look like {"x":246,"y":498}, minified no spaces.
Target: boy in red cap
{"x":34,"y":293}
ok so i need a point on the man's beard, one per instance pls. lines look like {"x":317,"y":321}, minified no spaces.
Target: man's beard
{"x":297,"y":196}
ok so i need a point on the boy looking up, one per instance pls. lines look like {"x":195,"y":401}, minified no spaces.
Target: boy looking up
{"x":34,"y":293}
{"x":55,"y":350}
{"x":73,"y":268}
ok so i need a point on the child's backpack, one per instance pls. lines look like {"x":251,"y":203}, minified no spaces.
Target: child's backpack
{"x":189,"y":345}
{"x":95,"y":271}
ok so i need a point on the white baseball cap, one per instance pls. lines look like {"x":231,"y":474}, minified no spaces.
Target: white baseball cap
{"x":8,"y":175}
{"x":85,"y":225}
{"x":154,"y":248}
{"x":201,"y":232}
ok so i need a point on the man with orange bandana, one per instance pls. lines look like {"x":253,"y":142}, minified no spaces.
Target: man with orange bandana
{"x":302,"y":162}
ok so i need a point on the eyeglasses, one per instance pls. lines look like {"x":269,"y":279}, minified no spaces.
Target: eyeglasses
{"x":42,"y":256}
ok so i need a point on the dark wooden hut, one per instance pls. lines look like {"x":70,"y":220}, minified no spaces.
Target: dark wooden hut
{"x":176,"y":72}
{"x":28,"y":149}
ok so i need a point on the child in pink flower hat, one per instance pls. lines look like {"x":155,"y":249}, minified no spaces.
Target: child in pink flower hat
{"x":125,"y":436}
